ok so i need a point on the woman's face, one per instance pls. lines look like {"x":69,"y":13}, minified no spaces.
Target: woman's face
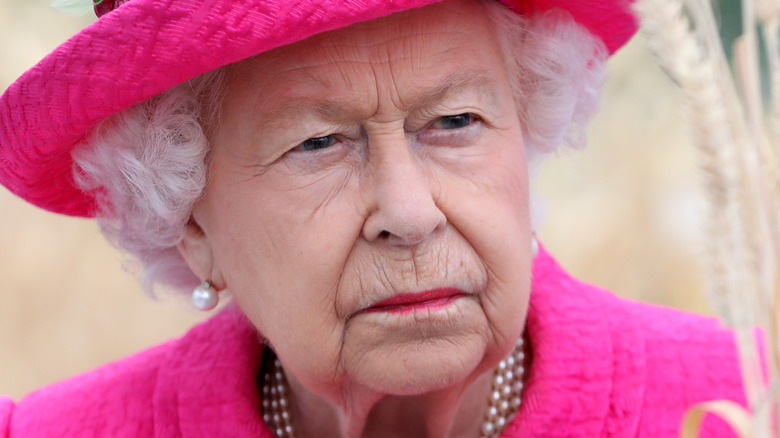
{"x":367,"y":205}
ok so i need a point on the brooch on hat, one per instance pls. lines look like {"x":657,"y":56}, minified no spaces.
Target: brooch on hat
{"x":80,"y":7}
{"x":103,"y":7}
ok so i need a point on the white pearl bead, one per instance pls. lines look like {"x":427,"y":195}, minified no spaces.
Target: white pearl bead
{"x":487,"y":427}
{"x":205,"y":297}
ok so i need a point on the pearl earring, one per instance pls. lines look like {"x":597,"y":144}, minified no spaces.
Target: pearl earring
{"x":534,"y":246}
{"x":205,"y":296}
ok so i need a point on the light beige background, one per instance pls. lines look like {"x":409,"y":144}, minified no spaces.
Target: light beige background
{"x":624,"y":213}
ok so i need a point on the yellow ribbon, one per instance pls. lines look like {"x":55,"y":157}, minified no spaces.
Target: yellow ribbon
{"x":737,"y":417}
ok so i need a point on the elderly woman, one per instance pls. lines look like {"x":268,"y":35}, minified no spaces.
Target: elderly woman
{"x":355,"y":176}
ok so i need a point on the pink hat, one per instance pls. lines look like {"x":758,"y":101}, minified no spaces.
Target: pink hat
{"x":147,"y":46}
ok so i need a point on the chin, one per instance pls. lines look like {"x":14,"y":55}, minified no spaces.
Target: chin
{"x":423,"y":366}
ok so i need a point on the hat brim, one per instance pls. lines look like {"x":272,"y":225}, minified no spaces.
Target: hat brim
{"x":147,"y":46}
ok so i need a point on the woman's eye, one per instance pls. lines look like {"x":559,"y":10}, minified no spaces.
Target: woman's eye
{"x":454,"y":122}
{"x":315,"y":143}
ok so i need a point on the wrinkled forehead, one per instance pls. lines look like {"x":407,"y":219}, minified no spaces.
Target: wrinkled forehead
{"x":418,"y":54}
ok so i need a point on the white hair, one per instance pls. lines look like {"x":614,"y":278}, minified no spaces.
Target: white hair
{"x":147,"y":165}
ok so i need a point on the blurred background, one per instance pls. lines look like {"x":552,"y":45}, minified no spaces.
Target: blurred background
{"x":624,"y":213}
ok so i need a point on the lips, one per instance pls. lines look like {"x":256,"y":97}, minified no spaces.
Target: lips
{"x":409,"y":302}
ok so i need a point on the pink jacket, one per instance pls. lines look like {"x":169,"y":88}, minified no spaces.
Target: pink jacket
{"x":602,"y":367}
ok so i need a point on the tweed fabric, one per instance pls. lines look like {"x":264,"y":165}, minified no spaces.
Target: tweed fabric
{"x":602,"y":367}
{"x":147,"y":46}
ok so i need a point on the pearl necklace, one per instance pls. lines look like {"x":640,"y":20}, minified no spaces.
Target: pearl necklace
{"x":503,"y":401}
{"x":276,"y":408}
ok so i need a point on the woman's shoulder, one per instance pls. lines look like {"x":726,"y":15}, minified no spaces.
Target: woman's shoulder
{"x":566,"y":300}
{"x":688,"y":359}
{"x":111,"y":400}
{"x":613,"y":365}
{"x":149,"y":393}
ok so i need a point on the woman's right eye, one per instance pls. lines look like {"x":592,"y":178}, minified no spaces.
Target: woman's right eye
{"x":316,"y":143}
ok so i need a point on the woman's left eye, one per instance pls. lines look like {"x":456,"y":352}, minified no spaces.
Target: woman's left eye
{"x":316,"y":143}
{"x":455,"y":122}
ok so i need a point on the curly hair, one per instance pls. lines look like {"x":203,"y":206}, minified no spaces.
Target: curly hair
{"x":147,"y":165}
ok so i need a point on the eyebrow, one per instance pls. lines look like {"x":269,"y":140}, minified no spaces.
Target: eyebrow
{"x":456,"y":83}
{"x":346,"y":108}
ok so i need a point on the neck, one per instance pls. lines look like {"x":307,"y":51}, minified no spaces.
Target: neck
{"x":453,"y":412}
{"x":478,"y":406}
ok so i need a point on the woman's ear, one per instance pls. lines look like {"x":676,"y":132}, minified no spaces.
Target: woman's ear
{"x":196,"y":250}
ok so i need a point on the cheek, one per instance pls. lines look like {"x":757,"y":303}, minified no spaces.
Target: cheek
{"x":281,"y":253}
{"x":487,"y":197}
{"x":490,"y":210}
{"x":271,"y":231}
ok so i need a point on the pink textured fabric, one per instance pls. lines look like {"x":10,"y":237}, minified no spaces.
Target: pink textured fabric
{"x":147,"y":46}
{"x":602,"y":367}
{"x":6,"y":407}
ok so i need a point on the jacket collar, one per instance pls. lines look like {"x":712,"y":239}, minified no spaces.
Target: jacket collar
{"x":207,"y":387}
{"x":586,"y":379}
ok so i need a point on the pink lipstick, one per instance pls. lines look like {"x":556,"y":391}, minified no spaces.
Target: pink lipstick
{"x":416,"y":301}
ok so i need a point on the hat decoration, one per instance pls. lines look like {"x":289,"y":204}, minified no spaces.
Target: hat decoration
{"x":83,"y":7}
{"x":103,"y":7}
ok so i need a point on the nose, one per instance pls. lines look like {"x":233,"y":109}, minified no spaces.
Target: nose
{"x":402,"y":209}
